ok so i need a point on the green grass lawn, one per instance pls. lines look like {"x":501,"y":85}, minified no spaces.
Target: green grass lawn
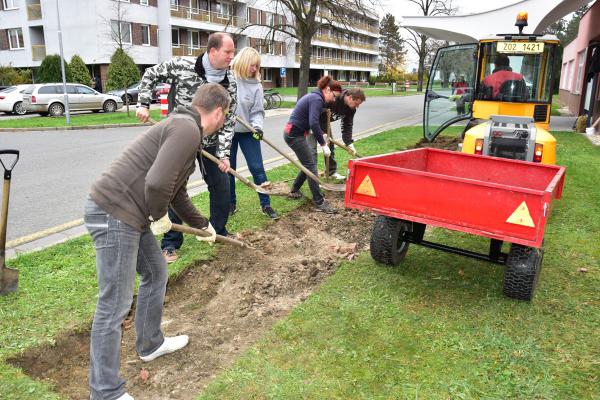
{"x":437,"y":327}
{"x":77,"y":120}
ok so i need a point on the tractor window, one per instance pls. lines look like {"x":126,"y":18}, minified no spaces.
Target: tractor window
{"x":518,"y":72}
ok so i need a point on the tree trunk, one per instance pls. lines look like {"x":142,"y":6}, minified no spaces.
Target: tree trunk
{"x":304,"y":66}
{"x":422,"y":54}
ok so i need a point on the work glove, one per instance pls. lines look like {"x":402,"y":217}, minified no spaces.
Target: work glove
{"x":211,"y":238}
{"x":325,"y":150}
{"x":352,"y":148}
{"x":257,"y":134}
{"x":162,"y":225}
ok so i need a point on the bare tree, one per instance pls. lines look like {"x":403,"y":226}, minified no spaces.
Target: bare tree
{"x":304,"y":19}
{"x":420,"y":43}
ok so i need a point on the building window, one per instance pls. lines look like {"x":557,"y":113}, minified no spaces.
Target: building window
{"x":266,"y":74}
{"x":580,"y":68}
{"x":121,"y":31}
{"x":259,"y":17}
{"x":9,"y":4}
{"x":224,"y":8}
{"x":15,"y":39}
{"x":146,"y":35}
{"x":563,"y":76}
{"x":570,"y":78}
{"x":248,"y":14}
{"x":175,"y":37}
{"x":144,"y":2}
{"x":175,"y":4}
{"x":270,"y":19}
{"x":194,"y":39}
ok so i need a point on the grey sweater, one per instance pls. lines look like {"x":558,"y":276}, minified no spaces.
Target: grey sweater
{"x":153,"y":172}
{"x":250,"y":105}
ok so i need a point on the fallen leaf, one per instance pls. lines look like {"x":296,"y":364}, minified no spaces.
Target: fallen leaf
{"x":582,"y":270}
{"x":144,"y":374}
{"x":461,"y":272}
{"x":127,"y":324}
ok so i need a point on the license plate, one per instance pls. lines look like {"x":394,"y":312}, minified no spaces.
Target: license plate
{"x":520,"y":47}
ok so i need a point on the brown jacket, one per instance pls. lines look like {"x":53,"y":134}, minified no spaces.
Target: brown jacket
{"x":153,"y":173}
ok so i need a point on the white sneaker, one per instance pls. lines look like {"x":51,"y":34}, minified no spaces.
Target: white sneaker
{"x":170,"y":345}
{"x":126,"y":396}
{"x":335,"y":175}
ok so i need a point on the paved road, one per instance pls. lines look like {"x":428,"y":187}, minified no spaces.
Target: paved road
{"x":56,"y":168}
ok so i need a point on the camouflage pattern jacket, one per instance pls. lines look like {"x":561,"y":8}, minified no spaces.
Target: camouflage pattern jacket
{"x":185,"y":75}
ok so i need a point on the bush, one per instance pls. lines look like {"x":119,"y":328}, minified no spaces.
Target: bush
{"x":12,"y":76}
{"x":50,"y":71}
{"x":122,"y":71}
{"x":79,"y":71}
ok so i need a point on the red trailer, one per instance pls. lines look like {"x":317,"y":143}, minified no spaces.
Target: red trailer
{"x":501,"y":199}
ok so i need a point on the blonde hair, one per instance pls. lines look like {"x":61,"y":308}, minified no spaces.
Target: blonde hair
{"x":242,"y":62}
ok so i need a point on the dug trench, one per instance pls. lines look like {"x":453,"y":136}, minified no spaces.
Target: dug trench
{"x":224,"y":305}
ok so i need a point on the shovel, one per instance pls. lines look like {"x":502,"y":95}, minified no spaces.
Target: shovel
{"x":327,"y":186}
{"x":9,"y":278}
{"x":251,"y":185}
{"x":343,"y":146}
{"x":200,"y":232}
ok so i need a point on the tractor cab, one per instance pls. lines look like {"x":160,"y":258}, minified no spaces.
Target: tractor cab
{"x":503,"y":87}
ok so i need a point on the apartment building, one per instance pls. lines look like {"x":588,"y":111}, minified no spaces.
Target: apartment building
{"x":155,"y":30}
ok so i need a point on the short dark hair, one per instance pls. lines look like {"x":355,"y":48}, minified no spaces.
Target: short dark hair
{"x":210,"y":96}
{"x":356,"y":94}
{"x":502,"y":61}
{"x":215,"y":40}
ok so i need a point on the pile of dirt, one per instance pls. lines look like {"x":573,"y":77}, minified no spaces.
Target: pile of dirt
{"x":440,"y":142}
{"x":224,"y":306}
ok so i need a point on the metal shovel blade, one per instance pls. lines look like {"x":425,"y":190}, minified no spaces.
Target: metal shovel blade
{"x":10,"y":280}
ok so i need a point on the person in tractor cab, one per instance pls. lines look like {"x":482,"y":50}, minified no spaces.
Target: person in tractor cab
{"x":501,"y":73}
{"x":460,"y":90}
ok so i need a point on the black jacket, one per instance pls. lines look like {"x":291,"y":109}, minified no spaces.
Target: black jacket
{"x":339,"y":110}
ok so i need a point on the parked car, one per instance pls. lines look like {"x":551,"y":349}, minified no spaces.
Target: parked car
{"x":48,"y":99}
{"x":157,"y":89}
{"x":11,"y":99}
{"x":132,"y":93}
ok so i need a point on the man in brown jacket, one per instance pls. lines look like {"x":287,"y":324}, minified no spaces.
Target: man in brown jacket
{"x":138,"y":188}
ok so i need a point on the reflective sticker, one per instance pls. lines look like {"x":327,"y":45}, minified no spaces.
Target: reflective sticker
{"x":521,"y":216}
{"x":366,"y":187}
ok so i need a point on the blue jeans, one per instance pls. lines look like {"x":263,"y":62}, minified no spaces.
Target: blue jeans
{"x":218,"y":190}
{"x":300,"y":146}
{"x":121,"y":251}
{"x":251,"y":149}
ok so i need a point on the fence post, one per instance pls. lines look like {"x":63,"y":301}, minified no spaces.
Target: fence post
{"x":164,"y":103}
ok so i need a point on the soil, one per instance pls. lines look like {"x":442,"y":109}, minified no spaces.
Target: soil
{"x":440,"y":142}
{"x":224,"y":305}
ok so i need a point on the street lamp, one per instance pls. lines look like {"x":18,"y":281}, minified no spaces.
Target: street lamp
{"x":62,"y":67}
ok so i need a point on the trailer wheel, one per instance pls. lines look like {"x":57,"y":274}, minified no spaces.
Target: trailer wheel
{"x":387,"y":240}
{"x":523,"y":266}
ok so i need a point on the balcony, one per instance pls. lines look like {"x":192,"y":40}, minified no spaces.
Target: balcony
{"x":38,"y":52}
{"x":339,"y":61}
{"x":345,"y":42}
{"x":34,"y":12}
{"x":197,"y":14}
{"x":185,"y":50}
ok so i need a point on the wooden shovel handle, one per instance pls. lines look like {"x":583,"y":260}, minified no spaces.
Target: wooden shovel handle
{"x":200,"y":232}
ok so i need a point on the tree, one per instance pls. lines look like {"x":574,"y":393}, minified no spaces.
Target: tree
{"x":79,"y":71}
{"x":50,"y":70}
{"x":12,"y":76}
{"x":307,"y":18}
{"x":122,"y":71}
{"x":391,"y":45}
{"x":419,"y":42}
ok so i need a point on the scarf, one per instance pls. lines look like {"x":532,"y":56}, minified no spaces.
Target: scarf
{"x":212,"y":75}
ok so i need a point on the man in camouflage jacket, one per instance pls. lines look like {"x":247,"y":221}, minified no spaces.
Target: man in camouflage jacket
{"x":185,"y":75}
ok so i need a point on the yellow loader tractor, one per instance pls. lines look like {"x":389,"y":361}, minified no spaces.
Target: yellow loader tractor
{"x":503,"y":87}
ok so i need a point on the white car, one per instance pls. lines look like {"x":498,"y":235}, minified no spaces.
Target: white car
{"x":11,"y":99}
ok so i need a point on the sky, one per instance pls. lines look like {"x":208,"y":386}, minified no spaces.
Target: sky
{"x":399,"y":8}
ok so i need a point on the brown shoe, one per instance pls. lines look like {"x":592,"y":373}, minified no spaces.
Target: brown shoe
{"x":170,"y":256}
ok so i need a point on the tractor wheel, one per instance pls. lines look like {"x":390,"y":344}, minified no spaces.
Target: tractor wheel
{"x":387,"y":240}
{"x":523,"y":266}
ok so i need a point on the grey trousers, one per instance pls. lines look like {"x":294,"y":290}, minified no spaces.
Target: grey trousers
{"x":312,"y":143}
{"x":121,"y":251}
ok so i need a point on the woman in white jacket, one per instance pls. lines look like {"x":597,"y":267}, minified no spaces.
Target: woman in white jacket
{"x":246,"y":68}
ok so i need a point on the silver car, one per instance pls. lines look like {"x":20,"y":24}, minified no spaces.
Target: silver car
{"x":48,"y":99}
